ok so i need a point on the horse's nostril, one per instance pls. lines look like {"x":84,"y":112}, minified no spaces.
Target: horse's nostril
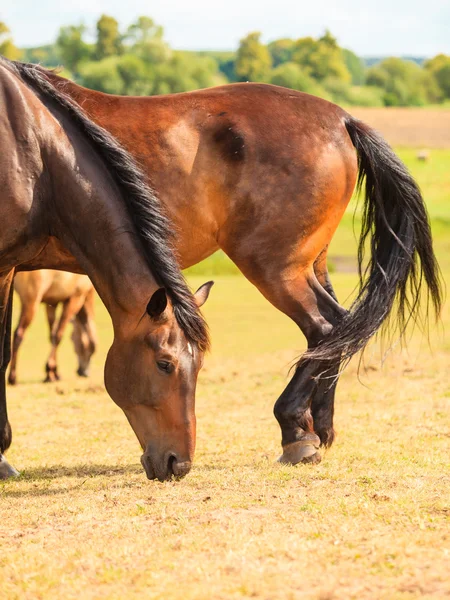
{"x":148,"y":467}
{"x":180,"y":469}
{"x":171,"y":464}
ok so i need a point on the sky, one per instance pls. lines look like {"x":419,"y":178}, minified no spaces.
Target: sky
{"x":369,"y":28}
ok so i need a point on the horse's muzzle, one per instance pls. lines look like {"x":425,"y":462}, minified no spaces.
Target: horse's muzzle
{"x":164,"y":470}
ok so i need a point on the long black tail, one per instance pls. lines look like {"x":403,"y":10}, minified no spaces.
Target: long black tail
{"x":402,"y":258}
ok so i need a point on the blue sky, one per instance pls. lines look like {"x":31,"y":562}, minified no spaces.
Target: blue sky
{"x":374,"y":27}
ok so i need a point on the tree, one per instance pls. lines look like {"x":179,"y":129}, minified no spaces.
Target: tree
{"x":71,"y":47}
{"x":321,"y":58}
{"x":143,"y":30}
{"x":103,"y":75}
{"x":404,"y":83}
{"x":439,"y":67}
{"x":109,"y":40}
{"x":253,"y":60}
{"x":135,"y":74}
{"x":292,"y":76}
{"x":281,"y":51}
{"x":147,"y":41}
{"x":355,"y":66}
{"x":185,"y":72}
{"x":7,"y":47}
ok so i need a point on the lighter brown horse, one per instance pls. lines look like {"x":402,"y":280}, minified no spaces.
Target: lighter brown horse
{"x":76,"y":294}
{"x":265,"y":174}
{"x":70,"y":193}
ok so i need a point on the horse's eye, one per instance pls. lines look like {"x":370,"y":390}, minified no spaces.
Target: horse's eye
{"x":165,"y":366}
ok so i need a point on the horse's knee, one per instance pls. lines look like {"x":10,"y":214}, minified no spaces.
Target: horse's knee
{"x":317,"y":331}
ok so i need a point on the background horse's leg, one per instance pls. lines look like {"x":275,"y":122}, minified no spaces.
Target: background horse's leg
{"x":70,"y":309}
{"x":84,"y":334}
{"x":51,"y":318}
{"x":6,"y":302}
{"x":27,"y":314}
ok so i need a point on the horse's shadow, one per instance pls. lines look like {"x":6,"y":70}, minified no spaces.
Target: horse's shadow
{"x":82,"y":472}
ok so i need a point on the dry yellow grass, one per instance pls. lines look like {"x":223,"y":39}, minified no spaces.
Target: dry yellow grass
{"x":371,"y":521}
{"x":416,"y":127}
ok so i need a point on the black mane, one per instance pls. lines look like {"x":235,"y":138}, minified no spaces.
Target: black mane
{"x":152,"y":226}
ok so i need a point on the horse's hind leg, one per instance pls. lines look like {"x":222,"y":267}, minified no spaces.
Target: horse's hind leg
{"x":27,"y":314}
{"x":51,"y":318}
{"x":84,"y":335}
{"x":297,"y":292}
{"x":322,"y":405}
{"x":6,"y":301}
{"x":70,"y":309}
{"x":311,"y":390}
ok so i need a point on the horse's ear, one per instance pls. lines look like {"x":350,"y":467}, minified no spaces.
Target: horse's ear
{"x":157,"y":303}
{"x":201,"y":295}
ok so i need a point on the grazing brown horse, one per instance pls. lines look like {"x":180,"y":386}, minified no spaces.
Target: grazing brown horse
{"x":76,"y":293}
{"x":73,"y":199}
{"x":266,"y":173}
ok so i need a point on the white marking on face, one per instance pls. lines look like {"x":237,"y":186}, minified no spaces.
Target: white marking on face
{"x":190,"y":350}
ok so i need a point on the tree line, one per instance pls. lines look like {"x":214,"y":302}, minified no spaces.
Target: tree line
{"x":138,"y":61}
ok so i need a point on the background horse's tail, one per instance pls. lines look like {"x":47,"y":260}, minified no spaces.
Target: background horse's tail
{"x":395,"y":222}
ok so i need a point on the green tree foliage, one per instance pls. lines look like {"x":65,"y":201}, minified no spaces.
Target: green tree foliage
{"x":253,"y":60}
{"x":102,"y":75}
{"x":71,"y":47}
{"x":404,"y":83}
{"x":355,"y":67}
{"x":345,"y":94}
{"x":140,"y":62}
{"x":281,"y":51}
{"x":292,"y":76}
{"x":184,"y":72}
{"x":109,"y":40}
{"x":147,"y":41}
{"x":7,"y":47}
{"x":129,"y":74}
{"x":321,"y":58}
{"x":439,"y":67}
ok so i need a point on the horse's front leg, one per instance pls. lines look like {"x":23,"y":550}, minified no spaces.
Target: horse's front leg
{"x":6,"y":301}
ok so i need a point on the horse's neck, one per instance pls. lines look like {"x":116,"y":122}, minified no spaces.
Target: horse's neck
{"x":89,"y":216}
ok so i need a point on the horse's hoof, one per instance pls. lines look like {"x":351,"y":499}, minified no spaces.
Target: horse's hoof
{"x":12,"y":380}
{"x":51,"y":377}
{"x":6,"y":470}
{"x":303,"y":451}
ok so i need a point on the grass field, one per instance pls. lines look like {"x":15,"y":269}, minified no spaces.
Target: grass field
{"x":426,"y":127}
{"x":371,"y":521}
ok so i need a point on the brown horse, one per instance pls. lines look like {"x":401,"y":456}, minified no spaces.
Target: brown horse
{"x":266,"y":173}
{"x":71,"y":194}
{"x":76,"y":293}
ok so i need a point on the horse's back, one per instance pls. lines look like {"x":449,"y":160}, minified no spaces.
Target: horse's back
{"x":50,"y":286}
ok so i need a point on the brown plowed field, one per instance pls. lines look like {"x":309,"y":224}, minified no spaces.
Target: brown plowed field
{"x":418,"y":127}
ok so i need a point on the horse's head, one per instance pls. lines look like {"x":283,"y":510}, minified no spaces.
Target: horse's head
{"x":85,"y":344}
{"x":151,"y":373}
